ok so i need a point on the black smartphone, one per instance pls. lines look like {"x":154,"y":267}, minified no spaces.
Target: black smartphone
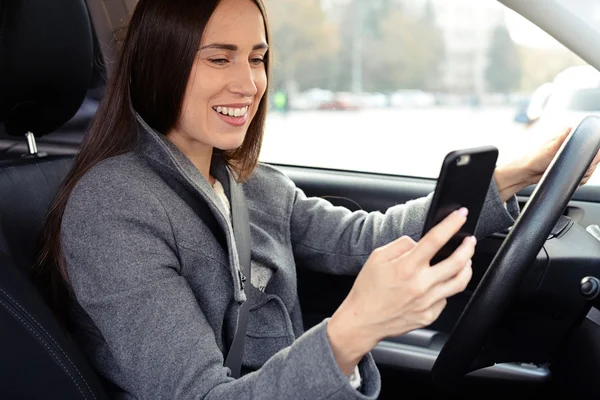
{"x":464,"y":181}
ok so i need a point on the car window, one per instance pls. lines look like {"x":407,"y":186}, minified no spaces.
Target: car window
{"x":392,"y":86}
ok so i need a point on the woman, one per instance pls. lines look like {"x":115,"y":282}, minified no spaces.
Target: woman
{"x":154,"y":297}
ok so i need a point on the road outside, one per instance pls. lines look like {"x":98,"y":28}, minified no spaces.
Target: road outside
{"x":409,"y":142}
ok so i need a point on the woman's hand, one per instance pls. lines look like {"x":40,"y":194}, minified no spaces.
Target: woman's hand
{"x":398,"y":291}
{"x":529,"y":170}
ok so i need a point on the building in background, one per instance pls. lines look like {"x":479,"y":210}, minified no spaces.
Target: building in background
{"x":467,"y":27}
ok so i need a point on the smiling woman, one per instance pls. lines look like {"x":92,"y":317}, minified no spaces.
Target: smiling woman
{"x":142,"y":242}
{"x":151,"y":286}
{"x":227,"y":84}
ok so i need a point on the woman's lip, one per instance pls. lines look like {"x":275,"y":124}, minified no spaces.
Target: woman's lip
{"x":233,"y":105}
{"x":235,"y":121}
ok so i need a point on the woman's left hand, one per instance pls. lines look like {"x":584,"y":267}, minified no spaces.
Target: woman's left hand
{"x":529,"y":170}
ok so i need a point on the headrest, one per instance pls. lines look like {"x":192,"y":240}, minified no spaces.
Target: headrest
{"x":46,"y":60}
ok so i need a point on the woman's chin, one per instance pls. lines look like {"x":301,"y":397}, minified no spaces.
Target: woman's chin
{"x":229,"y":145}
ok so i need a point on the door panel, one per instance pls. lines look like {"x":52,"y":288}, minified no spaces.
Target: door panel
{"x":357,"y":189}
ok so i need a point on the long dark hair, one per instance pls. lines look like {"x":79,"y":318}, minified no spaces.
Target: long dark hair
{"x":150,"y":77}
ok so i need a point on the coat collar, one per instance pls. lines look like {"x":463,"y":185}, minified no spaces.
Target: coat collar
{"x":177,"y":168}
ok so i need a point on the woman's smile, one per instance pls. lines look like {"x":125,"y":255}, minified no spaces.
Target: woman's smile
{"x":233,"y":114}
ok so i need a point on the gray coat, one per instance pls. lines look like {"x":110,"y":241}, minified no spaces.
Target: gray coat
{"x":157,"y":296}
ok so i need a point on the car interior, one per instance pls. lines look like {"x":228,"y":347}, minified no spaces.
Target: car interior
{"x":528,"y":324}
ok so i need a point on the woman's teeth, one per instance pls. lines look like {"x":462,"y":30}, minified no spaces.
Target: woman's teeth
{"x":232,"y":112}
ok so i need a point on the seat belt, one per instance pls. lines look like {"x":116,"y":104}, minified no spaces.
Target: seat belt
{"x":241,"y":232}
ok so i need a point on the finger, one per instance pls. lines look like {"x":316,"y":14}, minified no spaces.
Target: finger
{"x":596,"y":159}
{"x":591,"y":169}
{"x":454,"y":285}
{"x":396,"y":248}
{"x":452,"y":265}
{"x":439,"y":235}
{"x":433,"y":313}
{"x":584,"y":181}
{"x":562,"y":135}
{"x":593,"y":165}
{"x":588,"y":175}
{"x":554,"y":143}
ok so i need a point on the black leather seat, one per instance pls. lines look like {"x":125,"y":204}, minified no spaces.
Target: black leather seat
{"x":45,"y":68}
{"x":27,"y":188}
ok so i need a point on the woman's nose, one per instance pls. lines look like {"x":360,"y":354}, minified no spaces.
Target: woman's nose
{"x":243,"y":81}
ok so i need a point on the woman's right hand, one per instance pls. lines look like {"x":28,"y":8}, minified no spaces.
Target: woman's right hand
{"x":398,"y":291}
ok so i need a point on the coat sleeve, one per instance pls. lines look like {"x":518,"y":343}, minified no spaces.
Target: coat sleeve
{"x":123,"y":265}
{"x":333,"y":239}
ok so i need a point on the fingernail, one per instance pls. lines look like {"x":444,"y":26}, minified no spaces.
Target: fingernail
{"x":463,"y":212}
{"x":474,"y":240}
{"x":469,"y":263}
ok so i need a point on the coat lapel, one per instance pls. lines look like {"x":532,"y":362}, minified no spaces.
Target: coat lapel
{"x":177,"y":169}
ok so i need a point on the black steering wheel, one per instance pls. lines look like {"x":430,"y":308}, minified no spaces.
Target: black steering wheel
{"x":518,"y":251}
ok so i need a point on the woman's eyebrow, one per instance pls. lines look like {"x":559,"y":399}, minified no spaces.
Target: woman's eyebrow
{"x":232,"y":47}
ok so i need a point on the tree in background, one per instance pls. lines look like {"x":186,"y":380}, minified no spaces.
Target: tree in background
{"x":397,"y":50}
{"x":359,"y":24}
{"x":434,"y":39}
{"x":408,"y":54}
{"x":504,"y":72}
{"x":361,"y":45}
{"x":304,"y":43}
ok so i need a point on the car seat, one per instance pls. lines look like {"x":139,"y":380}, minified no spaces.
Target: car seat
{"x":46,"y":62}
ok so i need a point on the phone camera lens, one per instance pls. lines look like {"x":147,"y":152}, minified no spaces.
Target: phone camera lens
{"x":463,"y":160}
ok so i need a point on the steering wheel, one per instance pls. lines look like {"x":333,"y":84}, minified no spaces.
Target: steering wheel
{"x":500,"y":283}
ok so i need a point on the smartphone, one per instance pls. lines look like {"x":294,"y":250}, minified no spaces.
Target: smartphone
{"x":464,"y":181}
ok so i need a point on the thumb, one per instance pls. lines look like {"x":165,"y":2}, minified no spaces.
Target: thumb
{"x":560,"y":138}
{"x":554,"y":144}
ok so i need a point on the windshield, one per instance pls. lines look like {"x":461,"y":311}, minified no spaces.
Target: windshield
{"x":393,"y":86}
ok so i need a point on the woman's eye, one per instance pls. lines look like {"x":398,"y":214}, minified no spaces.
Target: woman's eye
{"x":257,"y":61}
{"x":219,"y":61}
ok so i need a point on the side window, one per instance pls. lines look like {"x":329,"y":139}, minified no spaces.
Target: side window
{"x":392,"y":86}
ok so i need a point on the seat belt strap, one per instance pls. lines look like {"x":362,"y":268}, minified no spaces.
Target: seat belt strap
{"x":241,"y":231}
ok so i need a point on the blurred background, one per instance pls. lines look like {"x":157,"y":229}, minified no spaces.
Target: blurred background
{"x":391,"y":86}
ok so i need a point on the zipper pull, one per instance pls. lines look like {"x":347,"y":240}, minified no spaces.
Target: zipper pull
{"x":242,"y":279}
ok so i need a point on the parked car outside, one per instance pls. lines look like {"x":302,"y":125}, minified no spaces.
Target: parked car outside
{"x":571,"y":96}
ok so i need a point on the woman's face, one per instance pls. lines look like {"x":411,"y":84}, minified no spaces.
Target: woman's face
{"x":227,"y":81}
